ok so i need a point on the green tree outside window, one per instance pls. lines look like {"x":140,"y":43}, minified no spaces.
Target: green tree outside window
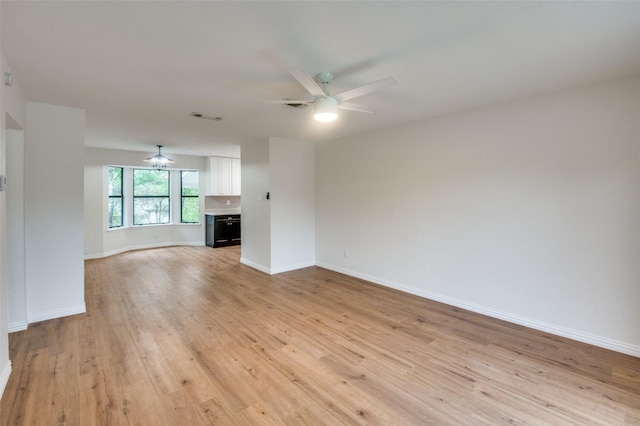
{"x":190,"y":202}
{"x":151,"y":203}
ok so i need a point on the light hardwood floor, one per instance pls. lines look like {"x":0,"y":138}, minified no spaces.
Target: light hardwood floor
{"x":189,"y":336}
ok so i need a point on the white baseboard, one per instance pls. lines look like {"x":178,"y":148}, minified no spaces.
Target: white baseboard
{"x":94,"y":256}
{"x":17,"y":326}
{"x":140,"y":247}
{"x":57,"y":313}
{"x":4,"y":377}
{"x":254,"y":265}
{"x":580,"y":336}
{"x":279,"y":270}
{"x":292,"y":267}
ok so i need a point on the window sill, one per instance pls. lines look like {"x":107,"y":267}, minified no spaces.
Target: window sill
{"x":159,"y":225}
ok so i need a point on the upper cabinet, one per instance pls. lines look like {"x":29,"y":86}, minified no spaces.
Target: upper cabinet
{"x":235,"y":176}
{"x":224,"y":176}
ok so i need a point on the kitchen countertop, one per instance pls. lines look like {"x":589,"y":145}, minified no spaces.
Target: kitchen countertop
{"x":221,"y":212}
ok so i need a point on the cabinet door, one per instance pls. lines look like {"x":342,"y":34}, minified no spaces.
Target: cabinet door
{"x":235,"y":176}
{"x":221,"y":233}
{"x":234,"y":232}
{"x":212,"y":176}
{"x":224,"y":176}
{"x":219,"y":176}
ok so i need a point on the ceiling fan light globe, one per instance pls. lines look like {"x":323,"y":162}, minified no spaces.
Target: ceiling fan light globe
{"x":325,"y":117}
{"x":325,"y":109}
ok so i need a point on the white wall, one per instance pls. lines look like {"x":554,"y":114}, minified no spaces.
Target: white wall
{"x":278,"y":233}
{"x":12,"y":109}
{"x":54,"y":211}
{"x":526,"y":211}
{"x":16,"y":263}
{"x":99,"y":240}
{"x":256,"y":211}
{"x":231,"y":151}
{"x":292,"y":201}
{"x":5,"y":363}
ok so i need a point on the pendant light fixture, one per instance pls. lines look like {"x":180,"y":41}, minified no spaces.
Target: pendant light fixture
{"x":159,"y":161}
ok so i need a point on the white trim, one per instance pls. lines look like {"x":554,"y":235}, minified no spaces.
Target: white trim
{"x":292,"y":267}
{"x":57,"y":313}
{"x":140,"y":247}
{"x":254,"y":265}
{"x":4,"y":377}
{"x":94,"y":256}
{"x":580,"y":336}
{"x":18,"y":326}
{"x":151,"y":225}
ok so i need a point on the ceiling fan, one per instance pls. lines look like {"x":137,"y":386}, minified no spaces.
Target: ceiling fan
{"x":325,"y":105}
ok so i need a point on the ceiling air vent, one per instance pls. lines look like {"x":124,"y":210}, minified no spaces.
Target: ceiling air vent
{"x":296,"y":105}
{"x":206,"y":117}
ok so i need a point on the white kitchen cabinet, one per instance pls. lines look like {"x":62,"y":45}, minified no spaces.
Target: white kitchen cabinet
{"x":235,"y":176}
{"x":224,"y":176}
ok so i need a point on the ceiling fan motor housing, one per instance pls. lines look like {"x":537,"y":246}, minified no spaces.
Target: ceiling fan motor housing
{"x":324,"y":77}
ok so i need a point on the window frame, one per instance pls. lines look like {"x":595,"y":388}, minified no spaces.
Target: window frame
{"x":175,"y":198}
{"x":121,"y":197}
{"x":134,"y":197}
{"x":183,"y":197}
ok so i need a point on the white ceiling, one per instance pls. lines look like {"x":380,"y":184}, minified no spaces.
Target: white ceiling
{"x":140,"y":68}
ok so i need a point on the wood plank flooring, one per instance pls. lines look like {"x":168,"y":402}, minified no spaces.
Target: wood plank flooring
{"x":189,"y":336}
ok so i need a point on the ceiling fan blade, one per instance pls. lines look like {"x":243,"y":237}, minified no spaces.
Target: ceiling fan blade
{"x":307,"y":82}
{"x":286,"y":101}
{"x":355,"y":107}
{"x":367,"y":88}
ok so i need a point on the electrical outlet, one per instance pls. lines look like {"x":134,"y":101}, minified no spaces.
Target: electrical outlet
{"x":346,"y":253}
{"x":228,"y":202}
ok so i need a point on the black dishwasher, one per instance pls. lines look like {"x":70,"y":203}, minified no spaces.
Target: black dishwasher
{"x":226,"y":230}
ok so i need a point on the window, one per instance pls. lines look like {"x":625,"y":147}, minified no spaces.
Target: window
{"x":151,"y":197}
{"x":115,"y":197}
{"x":190,"y":203}
{"x":141,"y":196}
